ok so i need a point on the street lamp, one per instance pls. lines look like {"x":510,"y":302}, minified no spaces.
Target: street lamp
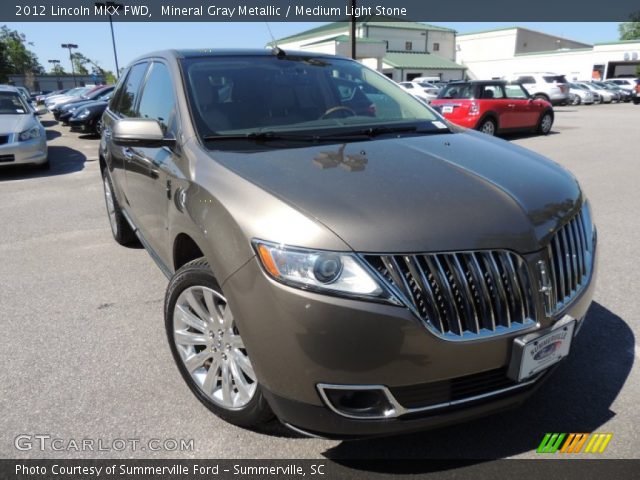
{"x":73,"y":70}
{"x":56,"y":62}
{"x":109,"y":6}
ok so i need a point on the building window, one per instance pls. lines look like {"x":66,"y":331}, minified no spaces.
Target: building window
{"x":408,"y":46}
{"x":436,"y":47}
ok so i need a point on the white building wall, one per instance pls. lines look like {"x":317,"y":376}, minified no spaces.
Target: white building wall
{"x":447,"y":43}
{"x":490,"y":46}
{"x":397,"y":38}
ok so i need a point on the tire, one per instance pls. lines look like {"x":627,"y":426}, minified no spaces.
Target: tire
{"x":576,"y":100}
{"x":488,"y":126}
{"x":545,"y":123}
{"x":205,"y":343}
{"x":120,"y":228}
{"x":636,"y":101}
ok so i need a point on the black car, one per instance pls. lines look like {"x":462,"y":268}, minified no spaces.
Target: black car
{"x":87,"y":119}
{"x":93,"y":95}
{"x":70,"y":109}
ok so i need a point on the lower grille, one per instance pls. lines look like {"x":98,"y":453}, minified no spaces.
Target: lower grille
{"x":570,"y":254}
{"x":7,"y":158}
{"x":463,"y":295}
{"x":4,"y":139}
{"x":444,"y":391}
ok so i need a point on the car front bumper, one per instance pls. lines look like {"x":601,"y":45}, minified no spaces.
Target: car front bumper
{"x":299,"y":340}
{"x":30,"y":152}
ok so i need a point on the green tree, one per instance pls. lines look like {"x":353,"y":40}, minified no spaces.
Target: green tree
{"x":84,"y":66}
{"x":15,"y":56}
{"x":80,"y":63}
{"x":630,"y":30}
{"x":58,"y":70}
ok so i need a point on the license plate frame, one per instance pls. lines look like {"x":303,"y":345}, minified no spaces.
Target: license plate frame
{"x":447,"y":109}
{"x":535,"y":352}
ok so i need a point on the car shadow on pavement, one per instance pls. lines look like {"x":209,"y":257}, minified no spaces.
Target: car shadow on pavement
{"x":576,"y":398}
{"x":48,"y":123}
{"x":51,"y":134}
{"x":62,"y":160}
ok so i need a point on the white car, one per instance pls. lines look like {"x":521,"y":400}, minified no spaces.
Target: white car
{"x":54,"y":101}
{"x":418,"y":90}
{"x":582,"y":95}
{"x":607,"y":96}
{"x":22,"y":137}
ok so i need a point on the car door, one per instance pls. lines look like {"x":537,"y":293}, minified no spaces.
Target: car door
{"x":151,"y":169}
{"x":492,"y":99}
{"x":123,"y":104}
{"x":524,"y":112}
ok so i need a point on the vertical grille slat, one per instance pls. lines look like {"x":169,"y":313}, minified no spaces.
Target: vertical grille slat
{"x":570,"y":261}
{"x":462,"y":295}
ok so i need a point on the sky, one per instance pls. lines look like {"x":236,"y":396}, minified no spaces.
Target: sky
{"x":134,"y":39}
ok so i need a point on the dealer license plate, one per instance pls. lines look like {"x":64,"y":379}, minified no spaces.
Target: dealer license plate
{"x":537,"y":351}
{"x":447,"y":109}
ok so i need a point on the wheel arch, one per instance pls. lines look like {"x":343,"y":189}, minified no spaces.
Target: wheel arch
{"x":491,"y":114}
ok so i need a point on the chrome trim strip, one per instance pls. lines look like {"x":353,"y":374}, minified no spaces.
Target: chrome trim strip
{"x":398,"y":410}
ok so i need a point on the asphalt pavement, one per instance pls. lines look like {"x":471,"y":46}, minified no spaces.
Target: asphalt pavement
{"x":83,"y":352}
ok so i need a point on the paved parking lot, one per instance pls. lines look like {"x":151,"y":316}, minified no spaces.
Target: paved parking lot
{"x":84,"y":353}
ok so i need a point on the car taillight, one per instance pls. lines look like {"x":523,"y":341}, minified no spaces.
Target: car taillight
{"x":474,"y":109}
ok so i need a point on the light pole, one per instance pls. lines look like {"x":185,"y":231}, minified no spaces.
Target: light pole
{"x":73,"y":70}
{"x":56,"y":62}
{"x":108,"y":6}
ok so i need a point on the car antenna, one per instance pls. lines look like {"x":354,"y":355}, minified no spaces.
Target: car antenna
{"x":276,"y":50}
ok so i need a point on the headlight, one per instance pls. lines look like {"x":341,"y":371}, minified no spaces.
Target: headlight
{"x":29,"y":134}
{"x":83,"y":114}
{"x":331,"y":272}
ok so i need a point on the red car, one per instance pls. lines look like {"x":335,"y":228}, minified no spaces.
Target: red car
{"x":493,"y":106}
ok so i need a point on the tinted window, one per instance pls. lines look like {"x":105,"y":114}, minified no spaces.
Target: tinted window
{"x":492,"y":91}
{"x":12,"y":103}
{"x":459,"y":90}
{"x":526,"y":79}
{"x":516,"y":91}
{"x":126,"y":100}
{"x":158,"y":100}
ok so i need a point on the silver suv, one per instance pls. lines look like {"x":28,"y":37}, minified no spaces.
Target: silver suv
{"x":544,"y":85}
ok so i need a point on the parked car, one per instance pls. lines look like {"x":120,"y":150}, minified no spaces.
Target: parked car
{"x":494,"y":106}
{"x":581,"y":95}
{"x":71,"y":109}
{"x":64,"y":108}
{"x":426,"y":94}
{"x":624,"y":94}
{"x":88,"y":118}
{"x":544,"y":86}
{"x":626,"y":83}
{"x":92,"y":95}
{"x":353,"y":274}
{"x":22,"y":136}
{"x":606,"y":96}
{"x":54,"y":101}
{"x":597,"y":98}
{"x":617,"y":97}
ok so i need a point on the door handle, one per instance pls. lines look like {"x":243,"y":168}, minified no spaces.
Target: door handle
{"x":128,"y":153}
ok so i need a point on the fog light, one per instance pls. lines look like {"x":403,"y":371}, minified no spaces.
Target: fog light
{"x":358,"y":402}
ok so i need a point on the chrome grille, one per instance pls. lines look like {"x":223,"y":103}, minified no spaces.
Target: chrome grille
{"x":461,"y":295}
{"x":570,"y":254}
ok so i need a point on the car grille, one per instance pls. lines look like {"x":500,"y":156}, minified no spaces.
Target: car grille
{"x":4,"y":139}
{"x":452,"y":390}
{"x":7,"y":158}
{"x":570,"y":255}
{"x":462,"y":295}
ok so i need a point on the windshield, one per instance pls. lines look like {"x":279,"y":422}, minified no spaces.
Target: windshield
{"x":12,"y":103}
{"x":305,"y":95}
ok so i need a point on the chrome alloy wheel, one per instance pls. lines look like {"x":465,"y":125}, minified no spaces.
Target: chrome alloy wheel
{"x":545,"y":124}
{"x":111,"y":207}
{"x":488,"y":127}
{"x":211,"y":348}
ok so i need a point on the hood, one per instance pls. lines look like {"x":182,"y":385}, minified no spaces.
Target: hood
{"x":461,"y":191}
{"x":15,"y":123}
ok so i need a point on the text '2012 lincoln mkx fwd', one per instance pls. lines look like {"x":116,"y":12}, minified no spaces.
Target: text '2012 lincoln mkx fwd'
{"x":340,"y":256}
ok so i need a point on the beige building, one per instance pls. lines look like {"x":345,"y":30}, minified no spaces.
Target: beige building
{"x":400,"y":50}
{"x":506,"y":51}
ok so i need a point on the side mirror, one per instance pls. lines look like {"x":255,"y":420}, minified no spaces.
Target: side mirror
{"x":140,"y":132}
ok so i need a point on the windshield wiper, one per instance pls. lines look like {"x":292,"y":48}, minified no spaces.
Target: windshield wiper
{"x":261,"y":136}
{"x":371,"y":132}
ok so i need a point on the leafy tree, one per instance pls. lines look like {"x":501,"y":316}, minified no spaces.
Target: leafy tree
{"x":58,"y":70}
{"x":15,"y":56}
{"x":630,"y":30}
{"x":80,"y":63}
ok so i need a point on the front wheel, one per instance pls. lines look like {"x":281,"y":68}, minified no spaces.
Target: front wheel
{"x":576,"y":100}
{"x":545,"y":123}
{"x":208,"y":348}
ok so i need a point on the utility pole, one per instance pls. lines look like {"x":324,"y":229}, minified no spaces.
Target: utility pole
{"x":109,"y":6}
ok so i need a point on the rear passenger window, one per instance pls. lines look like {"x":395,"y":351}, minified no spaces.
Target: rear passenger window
{"x":158,"y":100}
{"x":526,"y":80}
{"x":126,"y":102}
{"x":492,"y":91}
